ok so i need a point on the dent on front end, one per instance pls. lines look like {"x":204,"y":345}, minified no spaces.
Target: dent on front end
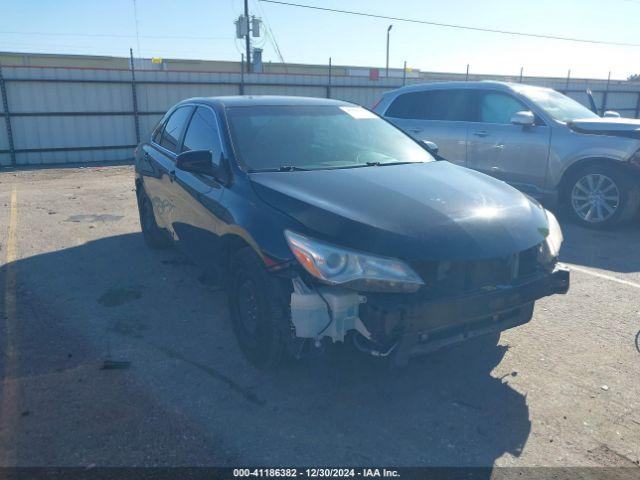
{"x":423,"y":305}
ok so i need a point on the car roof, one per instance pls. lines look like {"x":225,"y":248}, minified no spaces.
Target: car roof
{"x":265,"y":100}
{"x":495,"y":85}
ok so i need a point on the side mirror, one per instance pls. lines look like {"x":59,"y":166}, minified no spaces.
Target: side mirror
{"x":524,"y":118}
{"x":197,"y":161}
{"x":431,"y":147}
{"x":611,"y":114}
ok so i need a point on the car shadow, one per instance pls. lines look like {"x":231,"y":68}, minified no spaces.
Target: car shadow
{"x":446,"y":409}
{"x":615,"y":250}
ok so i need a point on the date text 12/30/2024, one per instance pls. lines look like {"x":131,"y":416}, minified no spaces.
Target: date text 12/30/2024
{"x":315,"y":472}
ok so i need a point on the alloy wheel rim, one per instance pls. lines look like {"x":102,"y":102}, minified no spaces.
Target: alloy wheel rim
{"x":595,"y":198}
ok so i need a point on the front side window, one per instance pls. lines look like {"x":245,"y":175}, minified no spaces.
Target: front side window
{"x":157,"y":132}
{"x":496,"y":107}
{"x":317,"y":137}
{"x":173,"y":128}
{"x":557,"y":105}
{"x":448,"y":105}
{"x":202,"y":133}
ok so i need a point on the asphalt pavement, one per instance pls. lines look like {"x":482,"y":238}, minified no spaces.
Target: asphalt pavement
{"x":78,"y":286}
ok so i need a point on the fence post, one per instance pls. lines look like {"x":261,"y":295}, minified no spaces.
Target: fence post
{"x":638,"y":106}
{"x":7,"y":118}
{"x":404,"y":74}
{"x":134,"y":97}
{"x":329,"y":84}
{"x":604,"y":96}
{"x":242,"y":74}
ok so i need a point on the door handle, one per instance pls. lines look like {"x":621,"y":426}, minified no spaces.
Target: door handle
{"x":172,"y":176}
{"x":480,"y":133}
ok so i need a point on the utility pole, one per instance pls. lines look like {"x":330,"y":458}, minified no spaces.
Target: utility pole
{"x":246,"y":37}
{"x":387,"y":69}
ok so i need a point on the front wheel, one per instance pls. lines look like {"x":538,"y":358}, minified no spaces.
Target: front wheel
{"x":601,"y":197}
{"x":260,"y":313}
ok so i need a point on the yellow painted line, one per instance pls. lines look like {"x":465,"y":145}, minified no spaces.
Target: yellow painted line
{"x":611,"y":278}
{"x":8,"y":407}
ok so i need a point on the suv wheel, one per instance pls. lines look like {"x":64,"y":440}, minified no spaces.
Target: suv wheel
{"x":260,"y":315}
{"x":154,"y":236}
{"x":600,"y":197}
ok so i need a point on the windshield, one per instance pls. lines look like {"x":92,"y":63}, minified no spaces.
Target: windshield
{"x":289,"y":137}
{"x":557,"y":105}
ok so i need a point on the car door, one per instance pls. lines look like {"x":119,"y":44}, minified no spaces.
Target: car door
{"x":514,"y":153}
{"x":195,"y":221}
{"x":160,"y":155}
{"x":440,"y":116}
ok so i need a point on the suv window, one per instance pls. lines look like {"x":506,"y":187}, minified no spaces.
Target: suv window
{"x":202,"y":133}
{"x":174,"y":127}
{"x":496,"y":107}
{"x":452,"y":105}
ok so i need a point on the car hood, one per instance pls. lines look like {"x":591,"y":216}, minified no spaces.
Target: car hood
{"x":617,"y":127}
{"x":427,"y":211}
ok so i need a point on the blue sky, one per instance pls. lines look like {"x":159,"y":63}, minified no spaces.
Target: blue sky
{"x":204,"y":29}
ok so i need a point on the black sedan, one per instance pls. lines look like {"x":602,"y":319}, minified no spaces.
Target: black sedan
{"x":325,"y":223}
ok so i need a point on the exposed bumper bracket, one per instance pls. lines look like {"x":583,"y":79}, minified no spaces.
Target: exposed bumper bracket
{"x":489,"y":313}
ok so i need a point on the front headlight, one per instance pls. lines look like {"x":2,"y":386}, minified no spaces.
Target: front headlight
{"x":341,"y":266}
{"x":554,"y":238}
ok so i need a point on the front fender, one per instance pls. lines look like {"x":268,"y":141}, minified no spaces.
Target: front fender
{"x":257,"y":224}
{"x":570,"y":149}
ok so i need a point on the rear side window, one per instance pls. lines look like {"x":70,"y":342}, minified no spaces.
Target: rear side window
{"x":173,"y":128}
{"x":202,"y":133}
{"x":496,"y":107}
{"x":451,"y":105}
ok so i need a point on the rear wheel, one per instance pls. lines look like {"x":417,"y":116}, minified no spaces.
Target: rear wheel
{"x":260,"y":315}
{"x":600,"y":196}
{"x":154,"y":236}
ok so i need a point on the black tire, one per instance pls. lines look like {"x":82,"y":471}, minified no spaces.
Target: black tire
{"x":153,"y":235}
{"x":621,"y":185}
{"x":260,"y":311}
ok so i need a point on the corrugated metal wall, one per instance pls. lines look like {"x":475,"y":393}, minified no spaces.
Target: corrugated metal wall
{"x":68,"y":115}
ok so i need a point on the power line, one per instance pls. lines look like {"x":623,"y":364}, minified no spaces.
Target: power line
{"x":112,"y":35}
{"x":271,"y":35}
{"x":451,"y":25}
{"x":98,"y":50}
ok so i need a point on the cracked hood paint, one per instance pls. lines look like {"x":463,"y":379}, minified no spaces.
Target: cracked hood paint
{"x":425,"y":211}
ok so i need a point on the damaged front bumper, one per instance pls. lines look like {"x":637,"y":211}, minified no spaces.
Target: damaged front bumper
{"x":409,"y":325}
{"x":423,"y":327}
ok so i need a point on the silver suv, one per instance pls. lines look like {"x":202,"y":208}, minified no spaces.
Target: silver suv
{"x":540,"y":141}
